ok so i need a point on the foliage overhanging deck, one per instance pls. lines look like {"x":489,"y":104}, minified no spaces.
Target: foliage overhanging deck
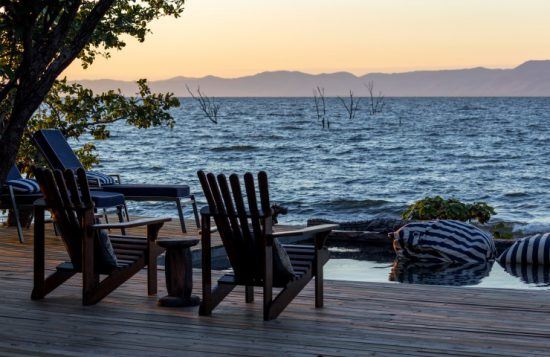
{"x":358,"y":318}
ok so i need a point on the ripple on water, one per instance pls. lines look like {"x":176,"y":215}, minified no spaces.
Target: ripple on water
{"x":471,"y":148}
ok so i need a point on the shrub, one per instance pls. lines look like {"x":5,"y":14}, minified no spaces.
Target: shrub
{"x":440,"y":208}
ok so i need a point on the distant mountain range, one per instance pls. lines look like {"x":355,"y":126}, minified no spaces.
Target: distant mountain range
{"x":531,"y":78}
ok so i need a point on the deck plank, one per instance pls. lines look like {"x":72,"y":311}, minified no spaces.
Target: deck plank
{"x":358,"y":318}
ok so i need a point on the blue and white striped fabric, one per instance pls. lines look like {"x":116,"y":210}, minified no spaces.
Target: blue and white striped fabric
{"x":23,"y":185}
{"x":444,"y":241}
{"x":439,"y":273}
{"x":529,"y":273}
{"x":103,"y":179}
{"x":529,"y":250}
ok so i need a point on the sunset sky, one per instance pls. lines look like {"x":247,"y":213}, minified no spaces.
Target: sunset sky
{"x":231,"y":38}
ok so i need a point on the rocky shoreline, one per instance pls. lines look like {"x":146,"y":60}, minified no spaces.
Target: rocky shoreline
{"x":375,"y":232}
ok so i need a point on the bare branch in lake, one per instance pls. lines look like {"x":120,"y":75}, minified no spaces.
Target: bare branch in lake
{"x":320,"y":106}
{"x":376,"y":102}
{"x":207,"y":104}
{"x":351,"y":104}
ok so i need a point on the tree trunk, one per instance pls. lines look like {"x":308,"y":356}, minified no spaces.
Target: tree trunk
{"x":13,"y":132}
{"x":30,"y":94}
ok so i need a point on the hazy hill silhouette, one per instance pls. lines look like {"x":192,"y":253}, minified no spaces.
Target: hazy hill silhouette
{"x":531,"y":78}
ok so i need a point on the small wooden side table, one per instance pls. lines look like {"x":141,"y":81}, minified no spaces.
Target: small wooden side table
{"x":179,"y":272}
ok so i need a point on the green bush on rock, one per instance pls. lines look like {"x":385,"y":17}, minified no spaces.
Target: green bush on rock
{"x":440,"y":208}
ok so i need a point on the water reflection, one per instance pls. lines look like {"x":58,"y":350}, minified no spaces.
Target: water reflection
{"x":530,"y":274}
{"x":437,"y":273}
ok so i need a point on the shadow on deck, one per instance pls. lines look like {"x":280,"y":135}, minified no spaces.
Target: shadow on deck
{"x":358,"y":318}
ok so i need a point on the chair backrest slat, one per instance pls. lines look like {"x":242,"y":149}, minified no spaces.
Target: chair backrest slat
{"x":82,"y":180}
{"x":66,"y":200}
{"x":229,"y":207}
{"x":252,"y":204}
{"x":56,"y":150}
{"x":73,"y":188}
{"x":217,"y":208}
{"x":241,"y":209}
{"x":243,"y":245}
{"x":65,"y":196}
{"x":263,"y":186}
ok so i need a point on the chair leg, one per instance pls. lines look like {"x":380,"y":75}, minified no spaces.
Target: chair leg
{"x":195,"y":211}
{"x":29,"y":222}
{"x":180,"y":213}
{"x":16,"y":214}
{"x":211,"y":299}
{"x":126,"y":212}
{"x":50,"y":283}
{"x":120,"y":219}
{"x":152,"y":271}
{"x":285,"y":297}
{"x":319,"y":287}
{"x":249,"y":294}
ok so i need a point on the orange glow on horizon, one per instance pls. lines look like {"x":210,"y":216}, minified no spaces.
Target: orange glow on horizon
{"x":244,"y":37}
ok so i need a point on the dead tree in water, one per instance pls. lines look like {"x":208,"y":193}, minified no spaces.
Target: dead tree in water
{"x":320,"y":106}
{"x":207,"y":104}
{"x":352,"y":106}
{"x":376,"y":103}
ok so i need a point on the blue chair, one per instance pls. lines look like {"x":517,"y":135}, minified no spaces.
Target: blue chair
{"x":18,"y":192}
{"x":59,"y":155}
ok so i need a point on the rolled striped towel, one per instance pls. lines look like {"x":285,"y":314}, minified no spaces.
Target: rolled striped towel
{"x":529,"y":250}
{"x":445,"y":241}
{"x":100,"y":177}
{"x":23,"y":185}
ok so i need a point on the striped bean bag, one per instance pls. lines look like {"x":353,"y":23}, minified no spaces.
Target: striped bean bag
{"x":529,"y":250}
{"x":444,"y":241}
{"x":23,"y":185}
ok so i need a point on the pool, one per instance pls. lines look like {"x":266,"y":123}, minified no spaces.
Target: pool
{"x":358,"y":264}
{"x":377,"y":263}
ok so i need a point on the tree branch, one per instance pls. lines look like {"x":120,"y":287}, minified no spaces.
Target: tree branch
{"x":80,"y":40}
{"x":48,"y":48}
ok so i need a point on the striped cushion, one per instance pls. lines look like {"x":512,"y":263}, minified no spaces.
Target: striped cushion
{"x":530,"y":250}
{"x":529,"y":273}
{"x":103,"y":179}
{"x":24,"y":185}
{"x":445,"y":241}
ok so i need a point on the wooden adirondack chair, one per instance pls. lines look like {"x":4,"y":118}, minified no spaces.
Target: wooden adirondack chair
{"x":249,"y":240}
{"x":68,"y":199}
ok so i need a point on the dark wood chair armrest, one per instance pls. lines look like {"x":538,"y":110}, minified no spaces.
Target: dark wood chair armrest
{"x":318,"y":233}
{"x":136,"y":223}
{"x":307,"y":231}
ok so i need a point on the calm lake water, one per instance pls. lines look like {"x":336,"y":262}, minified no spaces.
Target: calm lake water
{"x":491,"y":149}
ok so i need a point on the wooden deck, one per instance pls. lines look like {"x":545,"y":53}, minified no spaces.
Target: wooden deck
{"x":358,"y":319}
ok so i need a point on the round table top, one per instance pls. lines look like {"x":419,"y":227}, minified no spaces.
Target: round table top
{"x":179,"y":242}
